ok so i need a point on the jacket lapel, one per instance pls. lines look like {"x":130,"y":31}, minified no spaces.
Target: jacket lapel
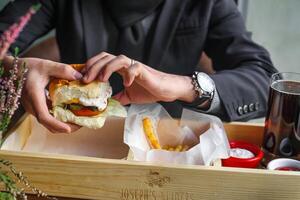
{"x":95,"y":37}
{"x":164,"y":31}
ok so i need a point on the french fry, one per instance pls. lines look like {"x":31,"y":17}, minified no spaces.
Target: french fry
{"x":153,"y":141}
{"x":171,"y":149}
{"x":178,"y":148}
{"x":149,"y":131}
{"x":166,"y":147}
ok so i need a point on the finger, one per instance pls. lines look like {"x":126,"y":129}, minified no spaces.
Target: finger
{"x":122,"y":97}
{"x":145,"y":77}
{"x":131,"y":73}
{"x":41,"y":112}
{"x":96,"y":68}
{"x":120,"y":62}
{"x":63,"y":71}
{"x":74,"y":127}
{"x":90,"y":62}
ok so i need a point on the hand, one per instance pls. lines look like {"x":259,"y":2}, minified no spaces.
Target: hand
{"x":33,"y":96}
{"x":142,"y":83}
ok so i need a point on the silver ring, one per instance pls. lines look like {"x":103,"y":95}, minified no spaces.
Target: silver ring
{"x":132,"y":62}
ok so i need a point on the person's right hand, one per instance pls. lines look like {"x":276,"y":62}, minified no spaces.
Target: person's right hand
{"x":33,"y":96}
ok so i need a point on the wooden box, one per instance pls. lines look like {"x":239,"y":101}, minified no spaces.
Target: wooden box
{"x":102,"y":178}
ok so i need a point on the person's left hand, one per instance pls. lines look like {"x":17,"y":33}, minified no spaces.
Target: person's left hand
{"x":33,"y":96}
{"x":142,"y":83}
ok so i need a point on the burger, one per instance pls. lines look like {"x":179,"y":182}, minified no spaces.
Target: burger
{"x":86,"y":105}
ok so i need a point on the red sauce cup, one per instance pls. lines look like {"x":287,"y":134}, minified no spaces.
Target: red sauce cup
{"x":285,"y":164}
{"x":244,"y":162}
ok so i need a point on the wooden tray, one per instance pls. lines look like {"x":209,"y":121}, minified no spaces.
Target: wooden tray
{"x":101,"y":178}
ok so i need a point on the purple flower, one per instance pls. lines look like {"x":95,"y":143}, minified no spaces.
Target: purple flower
{"x":11,"y":82}
{"x":11,"y":34}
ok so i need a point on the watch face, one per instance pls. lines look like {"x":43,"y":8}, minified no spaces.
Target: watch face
{"x":205,"y":82}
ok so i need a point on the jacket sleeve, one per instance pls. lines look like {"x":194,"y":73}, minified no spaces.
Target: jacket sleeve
{"x":243,"y":68}
{"x":40,"y":24}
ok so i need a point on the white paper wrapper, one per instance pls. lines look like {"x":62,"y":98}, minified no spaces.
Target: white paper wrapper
{"x":203,"y":133}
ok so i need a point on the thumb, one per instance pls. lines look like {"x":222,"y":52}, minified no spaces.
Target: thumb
{"x":64,"y":71}
{"x":122,"y":97}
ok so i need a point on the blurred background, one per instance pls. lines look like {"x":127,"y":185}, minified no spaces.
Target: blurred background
{"x":275,"y":24}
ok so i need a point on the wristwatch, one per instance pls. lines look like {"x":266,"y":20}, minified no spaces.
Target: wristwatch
{"x":204,"y":86}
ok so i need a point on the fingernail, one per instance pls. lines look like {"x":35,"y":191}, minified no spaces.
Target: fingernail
{"x":66,"y":130}
{"x":77,"y":75}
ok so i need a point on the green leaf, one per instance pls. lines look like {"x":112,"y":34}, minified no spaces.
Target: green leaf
{"x":114,"y":108}
{"x":24,"y":66}
{"x":37,"y":6}
{"x":4,"y":122}
{"x":6,"y":196}
{"x":75,"y":107}
{"x":6,"y":179}
{"x":17,"y":50}
{"x":1,"y":70}
{"x":10,"y":187}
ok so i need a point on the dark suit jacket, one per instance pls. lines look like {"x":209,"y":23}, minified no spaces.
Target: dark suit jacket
{"x":185,"y":28}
